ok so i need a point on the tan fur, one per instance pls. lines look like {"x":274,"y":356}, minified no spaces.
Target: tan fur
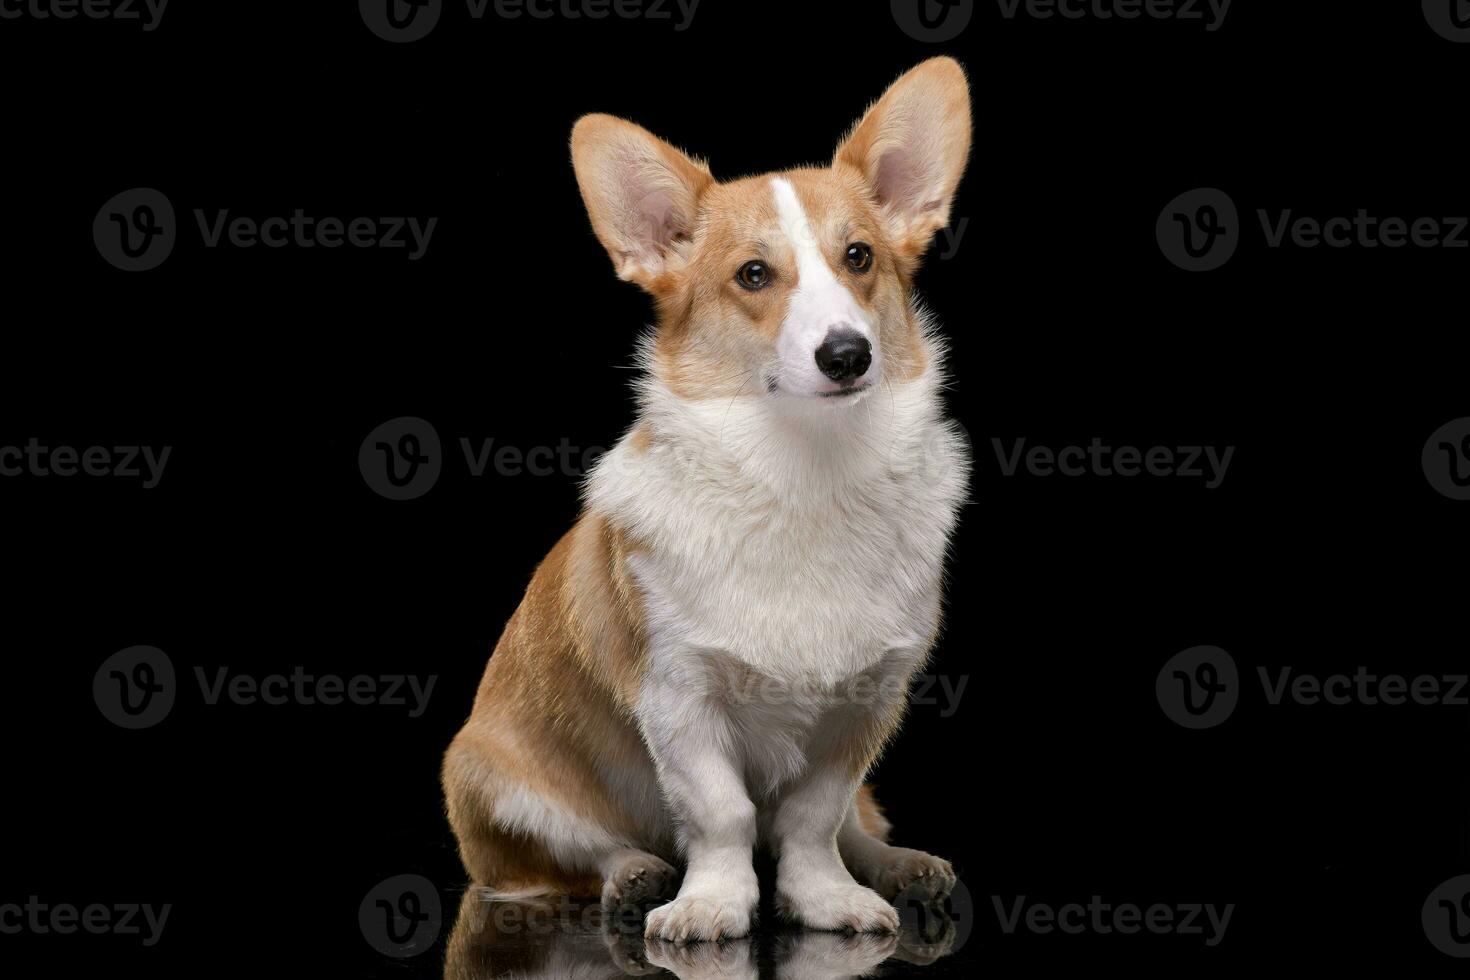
{"x":871,"y":815}
{"x":555,"y":702}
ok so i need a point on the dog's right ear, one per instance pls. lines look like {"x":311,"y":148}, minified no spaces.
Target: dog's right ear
{"x":641,"y":193}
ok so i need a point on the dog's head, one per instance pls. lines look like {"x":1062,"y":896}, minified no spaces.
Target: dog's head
{"x":791,"y":285}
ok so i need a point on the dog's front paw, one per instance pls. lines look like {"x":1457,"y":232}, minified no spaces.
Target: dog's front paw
{"x":923,"y":875}
{"x":838,"y":908}
{"x":700,"y":918}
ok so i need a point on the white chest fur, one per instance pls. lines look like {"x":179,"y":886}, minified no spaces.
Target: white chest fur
{"x":804,"y":540}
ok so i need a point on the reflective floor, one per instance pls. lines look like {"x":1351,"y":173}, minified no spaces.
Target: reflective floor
{"x":494,"y":939}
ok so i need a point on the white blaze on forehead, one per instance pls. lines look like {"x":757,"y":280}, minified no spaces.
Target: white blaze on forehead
{"x":820,"y":302}
{"x":813,"y":269}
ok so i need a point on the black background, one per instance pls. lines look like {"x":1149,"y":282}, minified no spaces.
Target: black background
{"x":1059,"y":777}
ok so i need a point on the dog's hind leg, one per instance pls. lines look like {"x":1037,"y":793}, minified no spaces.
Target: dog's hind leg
{"x":888,"y":870}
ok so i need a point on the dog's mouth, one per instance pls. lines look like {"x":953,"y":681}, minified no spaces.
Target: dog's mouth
{"x":846,"y":392}
{"x":773,"y":386}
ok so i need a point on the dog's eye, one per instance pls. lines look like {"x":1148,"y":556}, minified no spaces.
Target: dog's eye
{"x":859,"y":256}
{"x":754,"y":275}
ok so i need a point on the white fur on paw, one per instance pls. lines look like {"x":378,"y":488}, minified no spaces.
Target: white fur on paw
{"x":840,"y":908}
{"x":929,"y":876}
{"x":699,"y":918}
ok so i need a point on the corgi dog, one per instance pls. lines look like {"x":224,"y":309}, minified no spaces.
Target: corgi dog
{"x":711,"y":660}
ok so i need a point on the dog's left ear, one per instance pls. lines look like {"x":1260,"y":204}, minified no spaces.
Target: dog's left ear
{"x":912,"y":147}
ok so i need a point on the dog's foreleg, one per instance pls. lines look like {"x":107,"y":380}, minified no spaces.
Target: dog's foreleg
{"x":697,"y":754}
{"x":813,"y":885}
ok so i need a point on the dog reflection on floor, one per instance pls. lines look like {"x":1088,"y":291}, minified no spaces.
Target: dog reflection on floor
{"x":496,"y":940}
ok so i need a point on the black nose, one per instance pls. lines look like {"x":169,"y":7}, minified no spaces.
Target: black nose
{"x":844,"y":355}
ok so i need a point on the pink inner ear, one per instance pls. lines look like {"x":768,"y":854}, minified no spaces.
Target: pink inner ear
{"x":660,"y":223}
{"x":900,"y":182}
